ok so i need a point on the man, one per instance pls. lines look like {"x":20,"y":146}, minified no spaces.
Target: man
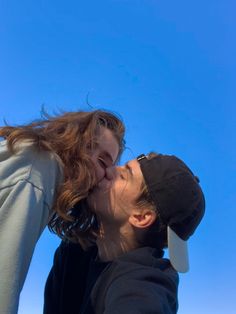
{"x":151,"y":203}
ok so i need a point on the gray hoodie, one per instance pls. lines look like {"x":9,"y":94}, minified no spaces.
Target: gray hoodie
{"x":28,"y":181}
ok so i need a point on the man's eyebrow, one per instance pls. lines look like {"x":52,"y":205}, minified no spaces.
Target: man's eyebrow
{"x":127,"y":166}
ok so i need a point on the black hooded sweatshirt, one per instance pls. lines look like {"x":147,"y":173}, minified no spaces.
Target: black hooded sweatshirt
{"x":138,"y":282}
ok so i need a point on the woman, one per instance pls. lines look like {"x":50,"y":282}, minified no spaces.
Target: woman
{"x":46,"y":168}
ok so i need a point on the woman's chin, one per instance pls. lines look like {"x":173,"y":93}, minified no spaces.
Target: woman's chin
{"x":104,"y":185}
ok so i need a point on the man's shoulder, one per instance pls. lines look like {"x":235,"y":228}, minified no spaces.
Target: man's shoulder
{"x":140,"y":262}
{"x":139,"y":274}
{"x":141,"y":265}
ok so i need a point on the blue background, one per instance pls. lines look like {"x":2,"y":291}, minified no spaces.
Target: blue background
{"x":168,"y":68}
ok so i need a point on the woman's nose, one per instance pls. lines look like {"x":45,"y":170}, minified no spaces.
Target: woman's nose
{"x":110,"y":172}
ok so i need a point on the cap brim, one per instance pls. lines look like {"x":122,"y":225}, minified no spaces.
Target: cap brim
{"x":178,"y":251}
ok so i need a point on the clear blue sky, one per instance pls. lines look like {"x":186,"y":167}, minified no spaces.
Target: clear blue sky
{"x":168,"y":68}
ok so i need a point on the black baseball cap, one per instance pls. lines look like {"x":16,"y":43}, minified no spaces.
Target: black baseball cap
{"x":179,"y":201}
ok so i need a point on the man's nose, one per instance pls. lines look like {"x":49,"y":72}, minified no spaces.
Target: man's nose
{"x":110,"y":172}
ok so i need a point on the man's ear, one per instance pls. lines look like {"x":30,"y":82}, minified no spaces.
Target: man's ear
{"x":142,"y":218}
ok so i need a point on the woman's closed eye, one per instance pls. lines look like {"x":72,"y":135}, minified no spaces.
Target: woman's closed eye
{"x":103,"y":163}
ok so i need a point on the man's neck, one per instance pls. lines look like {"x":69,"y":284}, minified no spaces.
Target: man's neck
{"x":112,"y":243}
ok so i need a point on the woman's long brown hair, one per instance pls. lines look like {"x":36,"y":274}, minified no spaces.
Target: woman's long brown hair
{"x":69,"y":135}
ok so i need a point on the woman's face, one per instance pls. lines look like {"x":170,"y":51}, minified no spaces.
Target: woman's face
{"x":105,"y":152}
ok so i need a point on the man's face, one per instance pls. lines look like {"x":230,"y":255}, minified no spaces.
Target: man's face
{"x":114,"y":197}
{"x":105,"y":152}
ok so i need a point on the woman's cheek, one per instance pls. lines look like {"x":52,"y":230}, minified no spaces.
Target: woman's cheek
{"x":100,"y":172}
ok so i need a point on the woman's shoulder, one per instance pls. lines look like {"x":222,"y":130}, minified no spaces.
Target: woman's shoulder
{"x":28,"y":163}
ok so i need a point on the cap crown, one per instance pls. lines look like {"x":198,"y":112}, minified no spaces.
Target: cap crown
{"x":175,"y":192}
